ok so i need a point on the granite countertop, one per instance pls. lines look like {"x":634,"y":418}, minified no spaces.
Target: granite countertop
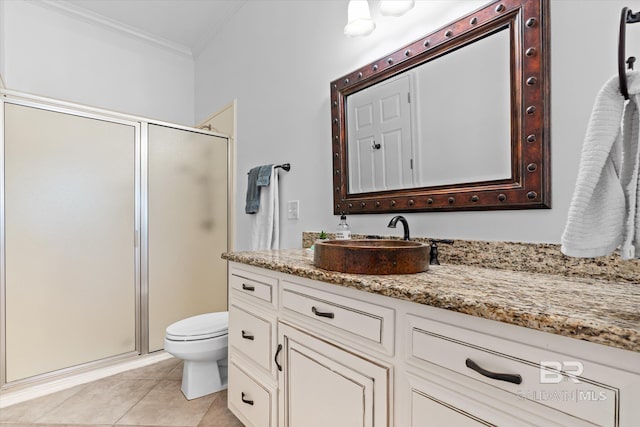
{"x":596,"y":310}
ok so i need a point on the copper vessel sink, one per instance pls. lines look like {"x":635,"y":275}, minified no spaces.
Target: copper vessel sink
{"x":364,"y":256}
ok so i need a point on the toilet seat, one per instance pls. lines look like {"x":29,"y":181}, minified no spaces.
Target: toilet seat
{"x":201,"y":327}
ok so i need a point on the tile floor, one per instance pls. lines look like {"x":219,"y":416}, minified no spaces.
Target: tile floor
{"x":148,"y":396}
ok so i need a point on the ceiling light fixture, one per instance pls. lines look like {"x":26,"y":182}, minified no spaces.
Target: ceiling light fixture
{"x":359,"y":22}
{"x":396,"y":7}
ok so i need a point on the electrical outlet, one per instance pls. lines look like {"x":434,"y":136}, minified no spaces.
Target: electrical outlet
{"x":293,"y":209}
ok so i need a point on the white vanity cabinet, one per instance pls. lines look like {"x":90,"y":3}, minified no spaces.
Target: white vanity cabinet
{"x":312,"y":372}
{"x":252,"y":391}
{"x":326,"y":355}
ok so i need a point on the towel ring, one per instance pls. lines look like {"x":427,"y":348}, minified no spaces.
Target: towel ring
{"x":626,"y":17}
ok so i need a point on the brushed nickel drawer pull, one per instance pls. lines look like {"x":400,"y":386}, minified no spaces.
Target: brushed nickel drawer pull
{"x":510,"y":378}
{"x":322,"y":313}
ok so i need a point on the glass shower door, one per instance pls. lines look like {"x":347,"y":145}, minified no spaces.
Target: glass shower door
{"x":187,"y":227}
{"x":70,"y":247}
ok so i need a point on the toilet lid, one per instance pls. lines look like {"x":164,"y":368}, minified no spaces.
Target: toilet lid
{"x":199,"y":327}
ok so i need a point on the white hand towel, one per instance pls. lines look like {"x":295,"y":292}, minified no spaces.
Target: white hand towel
{"x":635,"y":139}
{"x":629,"y":176}
{"x":265,"y":226}
{"x":601,"y":215}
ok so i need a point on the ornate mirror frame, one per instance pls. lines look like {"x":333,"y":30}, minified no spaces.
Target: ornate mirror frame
{"x":529,"y":185}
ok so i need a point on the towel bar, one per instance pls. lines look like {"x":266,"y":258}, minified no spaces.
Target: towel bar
{"x":285,"y":166}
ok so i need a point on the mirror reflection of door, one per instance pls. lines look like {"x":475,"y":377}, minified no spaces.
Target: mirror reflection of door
{"x":444,"y":122}
{"x":380,"y":137}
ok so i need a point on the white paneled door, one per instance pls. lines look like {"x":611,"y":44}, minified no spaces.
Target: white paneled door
{"x":379,"y":146}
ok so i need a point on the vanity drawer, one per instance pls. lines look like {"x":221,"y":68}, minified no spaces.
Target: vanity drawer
{"x":251,"y":335}
{"x":369,"y":321}
{"x":435,"y":401}
{"x":449,"y":347}
{"x":253,"y":285}
{"x":248,"y":399}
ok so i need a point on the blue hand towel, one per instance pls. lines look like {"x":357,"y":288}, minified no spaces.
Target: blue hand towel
{"x":253,"y":192}
{"x":263,"y":176}
{"x":258,"y":177}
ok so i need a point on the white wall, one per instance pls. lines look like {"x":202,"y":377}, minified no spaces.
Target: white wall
{"x":46,"y":52}
{"x":278,"y":57}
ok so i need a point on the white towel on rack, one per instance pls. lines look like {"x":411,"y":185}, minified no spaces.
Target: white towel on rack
{"x":603,"y":211}
{"x":630,"y":247}
{"x":265,"y":226}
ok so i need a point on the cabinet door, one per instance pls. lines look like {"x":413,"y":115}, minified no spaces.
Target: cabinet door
{"x":427,"y":411}
{"x":323,"y":385}
{"x":440,"y":400}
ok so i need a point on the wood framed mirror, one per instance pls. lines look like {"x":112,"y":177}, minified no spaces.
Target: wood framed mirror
{"x":457,"y":120}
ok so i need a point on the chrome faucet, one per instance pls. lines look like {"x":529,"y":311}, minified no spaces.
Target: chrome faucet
{"x":405,"y":225}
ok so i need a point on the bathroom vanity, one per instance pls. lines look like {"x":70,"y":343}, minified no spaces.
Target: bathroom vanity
{"x":456,"y":345}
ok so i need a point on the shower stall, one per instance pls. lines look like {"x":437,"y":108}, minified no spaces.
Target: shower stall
{"x":111,"y":228}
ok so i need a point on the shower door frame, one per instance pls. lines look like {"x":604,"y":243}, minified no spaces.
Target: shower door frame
{"x":67,"y":108}
{"x":141,"y":211}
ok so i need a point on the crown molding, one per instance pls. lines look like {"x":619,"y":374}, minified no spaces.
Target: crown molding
{"x":85,"y":15}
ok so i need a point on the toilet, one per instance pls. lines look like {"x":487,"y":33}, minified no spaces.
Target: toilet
{"x":201,"y":342}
